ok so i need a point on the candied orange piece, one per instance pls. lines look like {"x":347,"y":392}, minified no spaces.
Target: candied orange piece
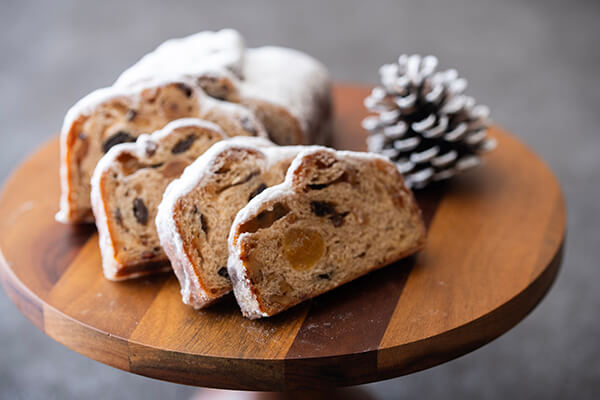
{"x":303,"y":248}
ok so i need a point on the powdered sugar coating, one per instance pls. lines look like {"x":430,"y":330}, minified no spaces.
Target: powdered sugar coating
{"x":140,"y":144}
{"x":288,"y":78}
{"x":194,"y":55}
{"x":284,"y":77}
{"x":242,"y":291}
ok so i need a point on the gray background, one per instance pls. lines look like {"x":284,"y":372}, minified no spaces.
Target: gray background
{"x":535,"y":64}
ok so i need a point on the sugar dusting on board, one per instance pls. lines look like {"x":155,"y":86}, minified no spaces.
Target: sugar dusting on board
{"x":22,"y":209}
{"x":260,"y":333}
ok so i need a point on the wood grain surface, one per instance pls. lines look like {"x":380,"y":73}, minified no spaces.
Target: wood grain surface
{"x":495,"y":237}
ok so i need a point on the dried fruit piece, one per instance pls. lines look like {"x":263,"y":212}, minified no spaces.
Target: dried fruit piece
{"x":248,"y":125}
{"x":214,"y":86}
{"x":338,"y":219}
{"x":131,"y":114}
{"x":238,"y":181}
{"x":203,"y":223}
{"x":317,"y":186}
{"x":284,"y":286}
{"x":118,"y":216}
{"x":303,"y":248}
{"x":174,"y":168}
{"x":140,"y":211}
{"x":322,"y":208}
{"x":257,"y":191}
{"x":183,"y":144}
{"x":349,"y":176}
{"x":151,"y":147}
{"x":119,"y":137}
{"x":280,"y":299}
{"x":185,"y":89}
{"x":223,"y":272}
{"x":129,"y":163}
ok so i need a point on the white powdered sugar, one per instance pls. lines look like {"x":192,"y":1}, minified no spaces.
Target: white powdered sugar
{"x":173,"y":125}
{"x":242,"y":291}
{"x":194,"y":55}
{"x":286,"y":77}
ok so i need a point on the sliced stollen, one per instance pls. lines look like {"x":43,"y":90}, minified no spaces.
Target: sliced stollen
{"x":197,"y":210}
{"x":209,"y":75}
{"x":115,"y":115}
{"x":338,"y":215}
{"x":127,"y":186}
{"x":289,"y":91}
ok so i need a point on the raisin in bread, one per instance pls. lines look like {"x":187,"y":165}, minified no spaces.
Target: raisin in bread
{"x":197,"y":210}
{"x":337,"y":216}
{"x":288,"y":90}
{"x":127,"y":186}
{"x":115,"y":115}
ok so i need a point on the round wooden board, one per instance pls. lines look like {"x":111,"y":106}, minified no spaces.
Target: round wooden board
{"x":494,"y":247}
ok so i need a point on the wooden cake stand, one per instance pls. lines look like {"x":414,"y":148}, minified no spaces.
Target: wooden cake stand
{"x":495,"y":237}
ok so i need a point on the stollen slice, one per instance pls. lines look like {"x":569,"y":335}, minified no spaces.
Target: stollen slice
{"x":338,"y":215}
{"x":127,"y":186}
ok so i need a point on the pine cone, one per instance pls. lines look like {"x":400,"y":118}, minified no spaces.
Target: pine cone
{"x":424,"y":122}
